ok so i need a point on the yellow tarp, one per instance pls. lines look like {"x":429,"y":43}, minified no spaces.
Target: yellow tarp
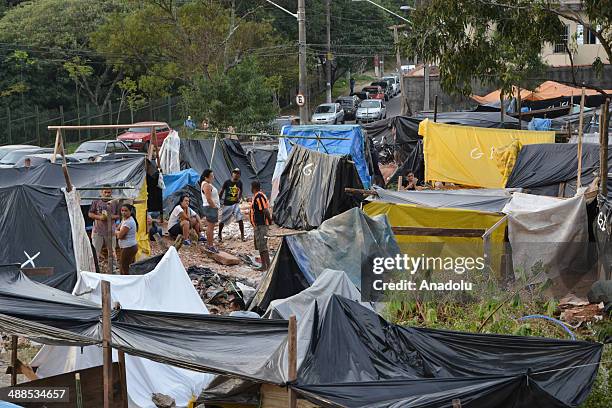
{"x":466,"y":155}
{"x":142,"y":236}
{"x":408,"y":215}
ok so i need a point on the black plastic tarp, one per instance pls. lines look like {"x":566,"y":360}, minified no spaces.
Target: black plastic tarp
{"x":198,"y":154}
{"x":35,"y":224}
{"x":294,"y":268}
{"x":312,"y":188}
{"x":602,"y":229}
{"x":547,"y":165}
{"x":385,"y":365}
{"x":238,"y":159}
{"x":263,"y":161}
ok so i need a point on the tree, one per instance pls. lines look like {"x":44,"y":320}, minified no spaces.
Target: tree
{"x":239,"y":97}
{"x":497,"y":42}
{"x":57,"y":32}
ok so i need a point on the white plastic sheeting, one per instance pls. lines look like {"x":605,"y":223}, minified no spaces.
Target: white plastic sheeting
{"x":169,"y":153}
{"x":167,"y":288}
{"x":82,"y":248}
{"x":281,"y":159}
{"x":550,"y":230}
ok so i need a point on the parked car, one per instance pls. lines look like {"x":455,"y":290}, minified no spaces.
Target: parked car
{"x":139,"y":137}
{"x":10,"y":159}
{"x":328,"y":113}
{"x":361,"y":95}
{"x":4,"y":150}
{"x":374,"y":92}
{"x":386,"y":87}
{"x":394,"y":83}
{"x":349,"y":105}
{"x":93,"y":149}
{"x":371,"y":110}
{"x":40,"y":158}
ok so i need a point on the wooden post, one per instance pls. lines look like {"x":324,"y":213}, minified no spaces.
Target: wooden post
{"x":579,"y":175}
{"x":400,"y":181}
{"x":292,"y":352}
{"x":520,"y":113}
{"x":603,"y":148}
{"x":79,"y":394}
{"x":58,"y":136}
{"x":13,"y":361}
{"x":435,"y":108}
{"x":107,"y":356}
{"x":123,"y":378}
{"x":501,"y":107}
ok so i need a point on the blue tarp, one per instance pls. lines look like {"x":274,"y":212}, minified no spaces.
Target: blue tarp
{"x":354,"y":145}
{"x":540,"y":124}
{"x":176,"y":181}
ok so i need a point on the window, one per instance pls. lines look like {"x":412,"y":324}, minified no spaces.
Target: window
{"x":561,"y":46}
{"x":119,"y":147}
{"x":585,"y":36}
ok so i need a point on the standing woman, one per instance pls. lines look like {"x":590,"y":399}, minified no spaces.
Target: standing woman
{"x":126,"y":236}
{"x":210,"y":201}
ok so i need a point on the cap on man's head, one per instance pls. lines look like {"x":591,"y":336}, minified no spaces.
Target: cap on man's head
{"x":236,"y":170}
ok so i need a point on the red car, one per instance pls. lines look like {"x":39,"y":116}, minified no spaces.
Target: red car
{"x":139,"y":136}
{"x":374,"y":92}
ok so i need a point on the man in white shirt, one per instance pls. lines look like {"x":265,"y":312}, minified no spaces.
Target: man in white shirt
{"x":182,"y":219}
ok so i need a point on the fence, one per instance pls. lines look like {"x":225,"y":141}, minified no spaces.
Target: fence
{"x":32,"y":128}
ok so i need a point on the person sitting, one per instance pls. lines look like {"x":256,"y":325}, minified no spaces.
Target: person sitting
{"x":182,"y":220}
{"x":411,"y":182}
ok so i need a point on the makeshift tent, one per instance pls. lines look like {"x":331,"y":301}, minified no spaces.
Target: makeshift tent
{"x":425,"y":368}
{"x":238,"y":158}
{"x":167,"y":288}
{"x":263,"y":161}
{"x":202,"y":154}
{"x":550,"y":231}
{"x":169,"y":154}
{"x":293,"y":268}
{"x":196,"y":342}
{"x":495,"y":96}
{"x":176,"y":181}
{"x":342,"y":140}
{"x":130,"y":173}
{"x":466,"y":155}
{"x":602,"y":227}
{"x":44,"y":227}
{"x":551,"y":169}
{"x":312,"y":188}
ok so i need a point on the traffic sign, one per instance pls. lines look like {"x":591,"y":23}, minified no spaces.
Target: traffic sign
{"x":300,"y":99}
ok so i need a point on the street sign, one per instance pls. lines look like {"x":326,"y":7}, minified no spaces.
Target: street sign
{"x":300,"y":100}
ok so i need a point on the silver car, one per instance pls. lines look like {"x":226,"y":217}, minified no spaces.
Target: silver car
{"x":371,"y":110}
{"x":394,"y":83}
{"x":328,"y":114}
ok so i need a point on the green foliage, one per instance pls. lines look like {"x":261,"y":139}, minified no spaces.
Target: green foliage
{"x":242,"y":98}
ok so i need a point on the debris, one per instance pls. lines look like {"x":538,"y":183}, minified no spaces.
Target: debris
{"x":163,"y":401}
{"x":577,"y":315}
{"x":224,"y":258}
{"x":572,"y":300}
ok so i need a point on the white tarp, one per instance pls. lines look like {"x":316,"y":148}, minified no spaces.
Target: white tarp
{"x":550,"y":230}
{"x":281,"y":159}
{"x":82,"y":248}
{"x":168,"y":289}
{"x":169,"y":153}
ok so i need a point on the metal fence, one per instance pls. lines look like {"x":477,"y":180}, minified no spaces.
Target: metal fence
{"x":32,"y":128}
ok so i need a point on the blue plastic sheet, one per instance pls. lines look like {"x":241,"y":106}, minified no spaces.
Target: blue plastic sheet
{"x":177,"y":181}
{"x":336,"y":140}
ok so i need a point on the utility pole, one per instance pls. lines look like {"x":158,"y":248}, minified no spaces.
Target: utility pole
{"x":404,"y":107}
{"x":426,"y":94}
{"x":301,"y":16}
{"x":328,"y":58}
{"x":303,"y":82}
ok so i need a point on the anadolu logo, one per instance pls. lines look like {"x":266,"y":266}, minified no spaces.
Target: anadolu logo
{"x":308,"y":169}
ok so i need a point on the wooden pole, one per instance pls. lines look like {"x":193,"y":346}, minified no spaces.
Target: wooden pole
{"x":58,"y":135}
{"x":123,"y":379}
{"x":501,"y":107}
{"x":13,"y":361}
{"x":520,"y":113}
{"x":581,"y":118}
{"x":292,"y":351}
{"x":107,"y":356}
{"x":79,"y":393}
{"x":400,"y":181}
{"x":603,"y":148}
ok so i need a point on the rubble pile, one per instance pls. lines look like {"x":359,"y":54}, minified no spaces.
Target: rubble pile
{"x":218,"y":290}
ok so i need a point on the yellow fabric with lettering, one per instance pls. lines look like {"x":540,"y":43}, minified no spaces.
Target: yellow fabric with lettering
{"x":465,"y":155}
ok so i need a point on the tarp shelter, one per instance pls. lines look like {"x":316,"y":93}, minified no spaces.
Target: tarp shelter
{"x":312,"y":188}
{"x":551,"y":169}
{"x":341,"y":140}
{"x":202,"y":154}
{"x":468,"y":155}
{"x":167,"y":288}
{"x":602,"y":227}
{"x":294,"y":268}
{"x":495,"y":96}
{"x":425,"y":368}
{"x":131,"y":173}
{"x":176,"y":181}
{"x":44,"y":227}
{"x":263,"y":161}
{"x":195,"y":342}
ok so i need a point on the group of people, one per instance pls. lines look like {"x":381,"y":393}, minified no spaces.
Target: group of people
{"x":114,"y":222}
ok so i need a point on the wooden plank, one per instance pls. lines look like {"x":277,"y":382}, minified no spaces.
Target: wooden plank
{"x":85,"y":127}
{"x":349,"y":190}
{"x":107,"y":351}
{"x":224,"y":258}
{"x":91,"y":388}
{"x":43,"y":271}
{"x":580,"y":125}
{"x":123,"y":379}
{"x":274,"y":396}
{"x":14,"y":360}
{"x":439,"y":232}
